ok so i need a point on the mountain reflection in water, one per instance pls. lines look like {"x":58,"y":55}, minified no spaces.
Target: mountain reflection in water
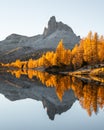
{"x":68,"y":90}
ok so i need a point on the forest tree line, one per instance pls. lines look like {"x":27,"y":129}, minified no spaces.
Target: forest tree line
{"x":89,"y":51}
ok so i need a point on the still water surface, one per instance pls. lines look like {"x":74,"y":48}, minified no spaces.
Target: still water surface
{"x":28,"y":102}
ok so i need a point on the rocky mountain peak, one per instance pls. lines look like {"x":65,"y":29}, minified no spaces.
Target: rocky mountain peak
{"x":53,"y":25}
{"x":53,"y":33}
{"x":52,"y":21}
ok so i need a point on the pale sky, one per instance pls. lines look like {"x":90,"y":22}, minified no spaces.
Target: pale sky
{"x":29,"y":17}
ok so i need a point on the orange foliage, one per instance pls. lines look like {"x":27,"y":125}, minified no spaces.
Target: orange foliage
{"x":89,"y":51}
{"x":90,"y":96}
{"x":61,"y":56}
{"x":60,"y":83}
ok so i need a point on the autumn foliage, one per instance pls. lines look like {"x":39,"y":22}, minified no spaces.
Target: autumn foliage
{"x":88,"y":52}
{"x":90,"y":95}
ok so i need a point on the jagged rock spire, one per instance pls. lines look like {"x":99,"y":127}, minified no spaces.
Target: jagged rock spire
{"x":53,"y":25}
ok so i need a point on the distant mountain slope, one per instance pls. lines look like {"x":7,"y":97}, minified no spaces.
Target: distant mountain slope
{"x":49,"y":39}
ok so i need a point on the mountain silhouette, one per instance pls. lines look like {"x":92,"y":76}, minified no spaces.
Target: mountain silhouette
{"x":16,"y":46}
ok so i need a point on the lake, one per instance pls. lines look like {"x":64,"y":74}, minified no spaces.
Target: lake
{"x":32,"y":100}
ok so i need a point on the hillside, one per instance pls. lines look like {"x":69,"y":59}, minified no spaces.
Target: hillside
{"x":17,"y":45}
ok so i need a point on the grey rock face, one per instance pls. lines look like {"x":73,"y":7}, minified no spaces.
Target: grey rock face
{"x":48,"y":40}
{"x":53,"y":26}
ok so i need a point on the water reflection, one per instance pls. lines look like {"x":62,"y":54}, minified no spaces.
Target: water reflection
{"x":68,"y":89}
{"x":60,"y":82}
{"x":21,"y":88}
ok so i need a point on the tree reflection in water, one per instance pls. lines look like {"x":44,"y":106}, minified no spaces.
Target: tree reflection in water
{"x":89,"y":94}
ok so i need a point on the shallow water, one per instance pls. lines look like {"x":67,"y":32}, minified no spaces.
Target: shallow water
{"x":28,"y":102}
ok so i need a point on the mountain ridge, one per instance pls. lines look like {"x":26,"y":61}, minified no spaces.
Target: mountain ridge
{"x":53,"y":25}
{"x":49,"y":39}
